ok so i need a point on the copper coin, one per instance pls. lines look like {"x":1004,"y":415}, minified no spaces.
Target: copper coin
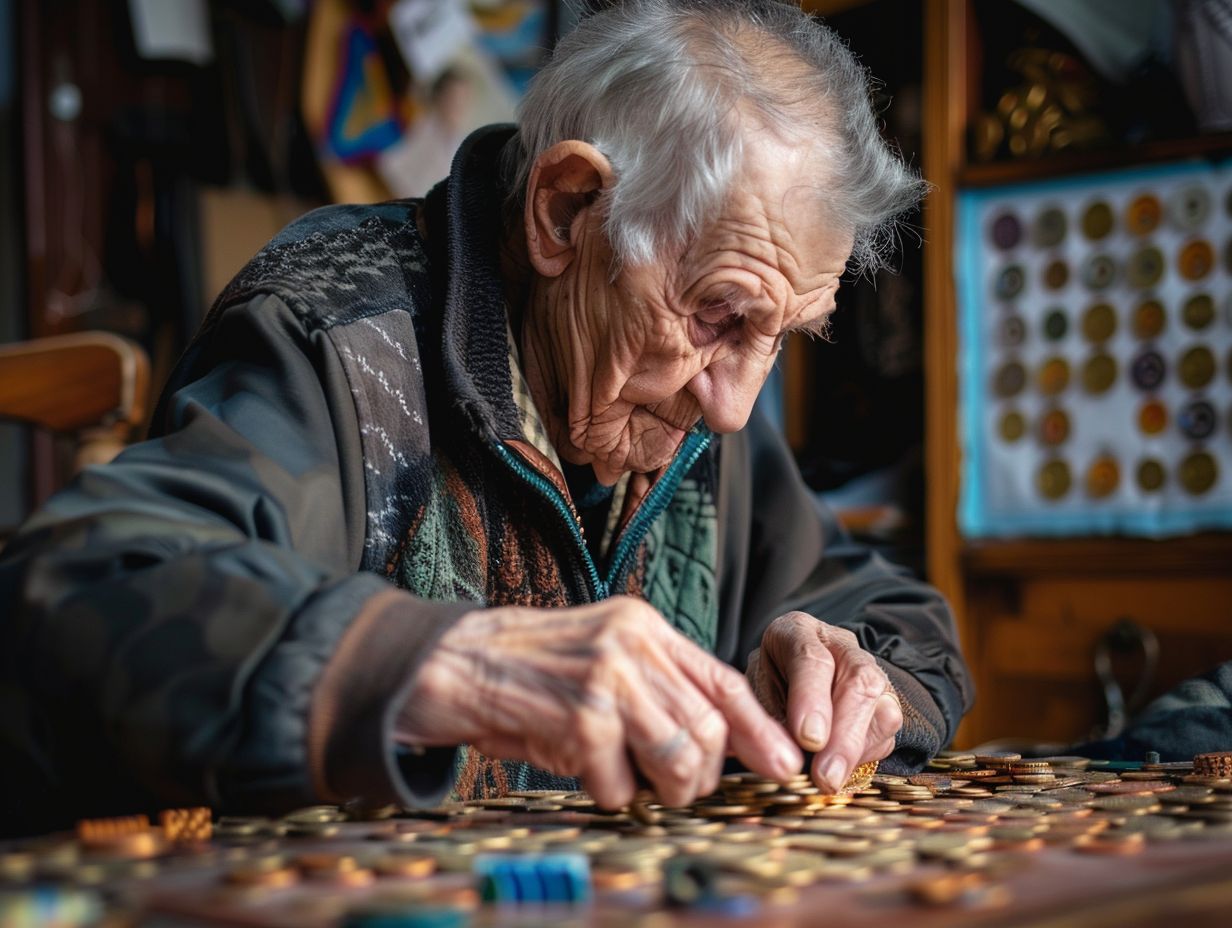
{"x":1103,"y":477}
{"x":1013,"y":331}
{"x":1056,"y":274}
{"x":1196,"y":259}
{"x":1054,"y":427}
{"x":1151,"y":475}
{"x":1148,"y":370}
{"x":1050,"y":228}
{"x":1099,"y":322}
{"x":1056,"y":324}
{"x":1197,"y":367}
{"x":1149,"y":319}
{"x":1099,"y":373}
{"x":1190,"y":207}
{"x":1099,"y":272}
{"x":1097,"y":220}
{"x":1198,"y":311}
{"x":1053,"y":479}
{"x":1198,"y":472}
{"x":1010,"y":282}
{"x":1012,"y":426}
{"x":1153,"y":417}
{"x":1145,"y":268}
{"x":1009,"y":380}
{"x":1053,"y":376}
{"x":1197,"y":420}
{"x":1006,"y":231}
{"x":1143,"y":214}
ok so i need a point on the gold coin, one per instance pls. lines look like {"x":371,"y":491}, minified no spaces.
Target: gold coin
{"x":1197,"y":367}
{"x":1149,"y":319}
{"x":1053,"y":376}
{"x":1198,"y":472}
{"x":1054,"y":427}
{"x":1097,"y":220}
{"x":1198,"y":311}
{"x":1099,"y":322}
{"x":1012,"y":426}
{"x":1103,"y":477}
{"x":1143,"y":214}
{"x":1053,"y":479}
{"x":1196,"y":260}
{"x":1099,"y":373}
{"x":1153,"y":417}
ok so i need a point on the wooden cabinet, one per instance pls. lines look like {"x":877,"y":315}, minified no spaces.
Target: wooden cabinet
{"x":1032,"y":611}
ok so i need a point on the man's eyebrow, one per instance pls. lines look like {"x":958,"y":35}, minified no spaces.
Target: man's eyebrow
{"x":815,"y":328}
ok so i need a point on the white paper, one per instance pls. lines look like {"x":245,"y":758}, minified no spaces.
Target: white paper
{"x":172,"y":29}
{"x":430,"y":34}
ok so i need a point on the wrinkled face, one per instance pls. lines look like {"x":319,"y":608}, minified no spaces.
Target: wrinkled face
{"x":642,"y":358}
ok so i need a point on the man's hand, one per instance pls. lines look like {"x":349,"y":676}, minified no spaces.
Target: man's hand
{"x":594,"y":691}
{"x":830,"y":694}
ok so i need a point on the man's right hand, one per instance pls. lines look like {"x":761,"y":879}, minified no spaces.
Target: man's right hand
{"x":592,"y":691}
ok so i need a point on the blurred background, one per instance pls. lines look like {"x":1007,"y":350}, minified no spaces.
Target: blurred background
{"x":148,"y":148}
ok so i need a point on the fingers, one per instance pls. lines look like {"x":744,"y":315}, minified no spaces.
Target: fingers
{"x":887,"y":720}
{"x":754,"y":737}
{"x":858,"y":687}
{"x":809,"y":665}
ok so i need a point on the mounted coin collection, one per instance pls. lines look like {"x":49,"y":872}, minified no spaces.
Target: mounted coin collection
{"x":1096,"y":357}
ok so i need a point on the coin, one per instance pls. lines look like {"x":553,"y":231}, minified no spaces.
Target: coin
{"x":1097,"y":220}
{"x":1053,"y":376}
{"x":1145,"y":267}
{"x":1009,"y":380}
{"x":1196,"y":367}
{"x":1198,"y":311}
{"x":1006,"y":231}
{"x":1152,"y":417}
{"x":1054,"y":427}
{"x":1099,"y":272}
{"x":1102,"y":479}
{"x":1099,"y":322}
{"x":1056,"y":274}
{"x":1053,"y":479}
{"x":1149,"y":319}
{"x":1189,"y":207}
{"x":1196,"y":259}
{"x":1013,"y":331}
{"x":1010,"y":282}
{"x":1197,"y":419}
{"x":1050,"y":227}
{"x":1056,"y":324}
{"x":1099,"y":373}
{"x":1143,"y":214}
{"x":1012,"y":426}
{"x":1198,"y":472}
{"x":1147,"y":370}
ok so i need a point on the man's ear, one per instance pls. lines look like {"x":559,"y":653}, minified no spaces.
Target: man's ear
{"x":564,"y":183}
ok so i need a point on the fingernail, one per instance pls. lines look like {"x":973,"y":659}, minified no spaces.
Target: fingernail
{"x":813,"y":731}
{"x":833,"y":772}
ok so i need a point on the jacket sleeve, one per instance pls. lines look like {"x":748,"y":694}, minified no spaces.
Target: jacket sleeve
{"x":186,"y":624}
{"x":782,"y":549}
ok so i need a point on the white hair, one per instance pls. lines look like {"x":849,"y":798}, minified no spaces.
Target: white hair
{"x":660,"y":88}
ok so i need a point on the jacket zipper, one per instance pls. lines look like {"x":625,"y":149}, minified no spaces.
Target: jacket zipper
{"x":695,"y":443}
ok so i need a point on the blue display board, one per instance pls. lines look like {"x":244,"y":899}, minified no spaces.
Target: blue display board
{"x":1095,"y":316}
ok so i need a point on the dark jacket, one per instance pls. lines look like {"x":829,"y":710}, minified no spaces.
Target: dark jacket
{"x":232,"y":612}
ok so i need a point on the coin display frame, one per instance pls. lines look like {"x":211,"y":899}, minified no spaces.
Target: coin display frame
{"x":1001,"y":486}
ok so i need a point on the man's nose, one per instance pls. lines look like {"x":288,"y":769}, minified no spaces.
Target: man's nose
{"x":726,"y":398}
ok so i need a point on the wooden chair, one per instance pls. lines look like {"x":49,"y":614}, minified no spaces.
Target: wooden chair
{"x":90,"y":386}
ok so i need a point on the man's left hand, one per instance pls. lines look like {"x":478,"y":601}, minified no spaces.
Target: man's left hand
{"x":830,"y":694}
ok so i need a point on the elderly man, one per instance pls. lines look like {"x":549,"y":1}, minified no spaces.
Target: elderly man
{"x":437,"y":497}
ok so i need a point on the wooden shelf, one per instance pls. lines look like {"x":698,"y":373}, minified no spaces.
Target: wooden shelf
{"x":994,"y":173}
{"x":1209,"y":553}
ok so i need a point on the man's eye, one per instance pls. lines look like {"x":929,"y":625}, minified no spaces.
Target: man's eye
{"x":713,"y":311}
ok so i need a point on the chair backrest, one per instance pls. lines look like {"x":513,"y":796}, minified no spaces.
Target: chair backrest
{"x":92,"y":386}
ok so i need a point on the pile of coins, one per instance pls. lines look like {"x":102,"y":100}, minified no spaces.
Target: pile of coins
{"x":948,"y":835}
